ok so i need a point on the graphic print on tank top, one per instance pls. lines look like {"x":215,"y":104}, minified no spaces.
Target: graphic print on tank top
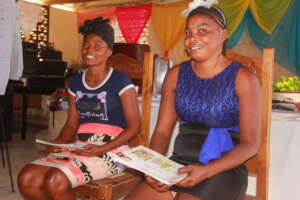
{"x":92,"y":105}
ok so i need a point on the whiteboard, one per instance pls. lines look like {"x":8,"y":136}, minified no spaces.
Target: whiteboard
{"x":11,"y":57}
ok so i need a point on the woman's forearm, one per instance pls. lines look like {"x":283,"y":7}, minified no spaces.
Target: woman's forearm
{"x":237,"y":156}
{"x":160,"y":143}
{"x":67,"y":134}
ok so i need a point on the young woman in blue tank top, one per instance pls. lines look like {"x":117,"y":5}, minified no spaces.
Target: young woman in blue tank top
{"x":218,"y":104}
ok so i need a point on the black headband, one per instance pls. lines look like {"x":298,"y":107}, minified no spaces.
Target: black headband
{"x":100,"y":27}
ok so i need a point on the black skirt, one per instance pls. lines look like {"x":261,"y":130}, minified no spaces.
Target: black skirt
{"x":227,"y":185}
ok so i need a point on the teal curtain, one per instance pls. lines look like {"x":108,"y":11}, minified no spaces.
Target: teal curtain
{"x":237,"y":35}
{"x":294,"y":42}
{"x":284,"y":38}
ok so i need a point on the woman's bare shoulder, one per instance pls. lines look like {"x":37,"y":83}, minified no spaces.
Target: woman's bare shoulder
{"x":247,"y":80}
{"x":173,"y":73}
{"x":170,"y":80}
{"x":246,"y":74}
{"x":174,"y":69}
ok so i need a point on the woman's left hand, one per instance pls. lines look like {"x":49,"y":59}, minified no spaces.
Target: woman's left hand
{"x":89,"y":150}
{"x":196,"y":174}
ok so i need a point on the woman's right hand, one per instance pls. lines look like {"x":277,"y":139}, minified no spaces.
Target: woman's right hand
{"x":157,"y":185}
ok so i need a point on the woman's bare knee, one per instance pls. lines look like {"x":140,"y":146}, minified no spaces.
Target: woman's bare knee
{"x":30,"y":181}
{"x":31,"y":176}
{"x":56,"y":182}
{"x":185,"y":196}
{"x":145,"y":192}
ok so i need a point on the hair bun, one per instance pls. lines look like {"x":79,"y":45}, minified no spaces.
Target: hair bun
{"x":99,"y":26}
{"x":91,"y":24}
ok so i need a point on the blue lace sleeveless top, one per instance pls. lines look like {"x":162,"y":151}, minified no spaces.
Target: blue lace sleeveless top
{"x":212,"y":102}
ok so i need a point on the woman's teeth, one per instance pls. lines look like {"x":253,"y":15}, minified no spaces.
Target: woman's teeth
{"x":197,"y":47}
{"x":90,"y":57}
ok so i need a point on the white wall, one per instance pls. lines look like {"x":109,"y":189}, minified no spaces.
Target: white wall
{"x":64,"y":34}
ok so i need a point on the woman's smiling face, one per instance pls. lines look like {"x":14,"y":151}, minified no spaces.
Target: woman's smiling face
{"x":204,"y":37}
{"x":94,"y":50}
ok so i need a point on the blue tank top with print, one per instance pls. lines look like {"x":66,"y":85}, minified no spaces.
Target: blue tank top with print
{"x":212,"y":102}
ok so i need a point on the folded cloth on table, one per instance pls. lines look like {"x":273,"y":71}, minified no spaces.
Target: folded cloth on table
{"x":284,"y":106}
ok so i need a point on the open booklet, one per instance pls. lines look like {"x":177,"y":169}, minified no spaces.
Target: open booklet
{"x":151,"y":163}
{"x":70,"y":145}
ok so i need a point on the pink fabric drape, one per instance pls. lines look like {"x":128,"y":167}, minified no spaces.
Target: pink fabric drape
{"x":104,"y":13}
{"x":132,"y":20}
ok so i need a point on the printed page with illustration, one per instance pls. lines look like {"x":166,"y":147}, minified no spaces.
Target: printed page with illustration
{"x":151,"y":163}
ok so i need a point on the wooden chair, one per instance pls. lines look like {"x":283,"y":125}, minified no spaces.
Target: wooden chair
{"x":258,"y":166}
{"x":119,"y":185}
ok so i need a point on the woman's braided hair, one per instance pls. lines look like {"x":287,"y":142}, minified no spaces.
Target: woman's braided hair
{"x":213,"y":12}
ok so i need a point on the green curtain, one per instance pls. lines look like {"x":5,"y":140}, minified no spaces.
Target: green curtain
{"x":234,"y":11}
{"x":236,"y":36}
{"x":285,"y":37}
{"x":267,"y":13}
{"x":294,"y":41}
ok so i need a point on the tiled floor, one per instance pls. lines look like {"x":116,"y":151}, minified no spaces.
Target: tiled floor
{"x":21,"y":152}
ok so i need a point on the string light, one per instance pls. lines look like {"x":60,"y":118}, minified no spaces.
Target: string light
{"x":22,"y":34}
{"x":39,"y":35}
{"x":144,"y":36}
{"x":143,"y":39}
{"x":121,"y":37}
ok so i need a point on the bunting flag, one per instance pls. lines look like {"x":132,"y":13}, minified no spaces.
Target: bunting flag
{"x":132,"y":20}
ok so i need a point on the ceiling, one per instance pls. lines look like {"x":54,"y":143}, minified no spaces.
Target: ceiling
{"x":95,"y":4}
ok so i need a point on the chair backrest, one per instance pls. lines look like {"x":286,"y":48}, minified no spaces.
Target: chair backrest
{"x":143,"y":71}
{"x":263,"y":68}
{"x":135,"y":51}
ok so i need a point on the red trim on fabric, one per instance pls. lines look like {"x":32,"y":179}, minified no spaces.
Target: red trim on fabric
{"x":100,"y":128}
{"x":166,"y":54}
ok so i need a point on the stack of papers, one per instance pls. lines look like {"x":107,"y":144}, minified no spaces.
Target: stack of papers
{"x":70,"y":145}
{"x":284,"y":106}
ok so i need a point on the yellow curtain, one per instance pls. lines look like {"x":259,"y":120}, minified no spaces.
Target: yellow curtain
{"x":268,"y":13}
{"x":168,"y":23}
{"x":234,"y":11}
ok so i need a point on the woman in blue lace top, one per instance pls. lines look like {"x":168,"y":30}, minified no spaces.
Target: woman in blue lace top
{"x":218,"y":104}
